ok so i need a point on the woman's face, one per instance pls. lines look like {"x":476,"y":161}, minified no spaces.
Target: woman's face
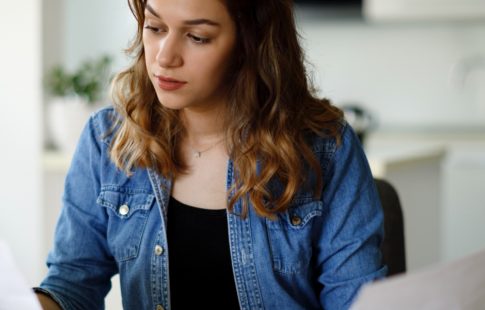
{"x":188,"y":49}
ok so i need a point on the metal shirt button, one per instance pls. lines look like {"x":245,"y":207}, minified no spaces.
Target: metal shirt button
{"x":124,"y":209}
{"x":159,"y":307}
{"x":158,"y":250}
{"x":295,"y":220}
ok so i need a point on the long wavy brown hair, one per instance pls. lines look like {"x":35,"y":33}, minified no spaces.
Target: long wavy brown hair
{"x":272,"y":111}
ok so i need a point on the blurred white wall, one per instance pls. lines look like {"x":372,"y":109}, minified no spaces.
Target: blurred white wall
{"x":403,"y":72}
{"x":93,"y":27}
{"x":20,"y":134}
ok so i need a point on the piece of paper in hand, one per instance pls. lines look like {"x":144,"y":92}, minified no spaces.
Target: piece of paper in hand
{"x":458,"y":285}
{"x":14,"y":291}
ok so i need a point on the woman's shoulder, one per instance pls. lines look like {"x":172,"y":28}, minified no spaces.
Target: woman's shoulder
{"x":105,"y":122}
{"x":336,"y":150}
{"x":327,"y":143}
{"x":105,"y":117}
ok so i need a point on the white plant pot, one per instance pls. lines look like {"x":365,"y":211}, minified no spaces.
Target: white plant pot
{"x":66,"y":117}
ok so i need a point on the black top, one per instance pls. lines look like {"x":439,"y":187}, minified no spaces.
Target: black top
{"x":200,"y":266}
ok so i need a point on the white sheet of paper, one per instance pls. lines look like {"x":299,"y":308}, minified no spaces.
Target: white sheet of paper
{"x":458,"y":285}
{"x":14,"y":291}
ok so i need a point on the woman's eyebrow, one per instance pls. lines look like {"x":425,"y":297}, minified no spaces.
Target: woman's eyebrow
{"x":201,"y":21}
{"x":190,"y":22}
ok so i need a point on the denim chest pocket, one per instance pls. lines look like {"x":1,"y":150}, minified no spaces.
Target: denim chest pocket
{"x":128,"y":213}
{"x":290,"y":237}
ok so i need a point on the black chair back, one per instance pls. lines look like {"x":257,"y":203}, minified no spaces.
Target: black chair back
{"x":393,"y":247}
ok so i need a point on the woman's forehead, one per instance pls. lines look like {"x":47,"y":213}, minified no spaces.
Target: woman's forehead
{"x":182,"y":10}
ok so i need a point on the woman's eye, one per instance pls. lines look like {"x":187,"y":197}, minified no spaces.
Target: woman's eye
{"x":152,"y":29}
{"x":198,"y":40}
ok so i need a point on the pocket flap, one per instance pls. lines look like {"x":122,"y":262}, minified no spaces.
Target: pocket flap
{"x":125,"y":202}
{"x":298,"y":216}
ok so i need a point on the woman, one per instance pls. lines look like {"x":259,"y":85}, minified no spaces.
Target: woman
{"x":217,"y":156}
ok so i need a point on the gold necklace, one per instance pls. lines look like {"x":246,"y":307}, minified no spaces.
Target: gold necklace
{"x":198,"y":153}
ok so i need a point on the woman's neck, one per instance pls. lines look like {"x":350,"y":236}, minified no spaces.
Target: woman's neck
{"x":203,"y":127}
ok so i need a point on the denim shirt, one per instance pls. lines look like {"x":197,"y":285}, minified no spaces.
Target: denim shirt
{"x":316,"y":255}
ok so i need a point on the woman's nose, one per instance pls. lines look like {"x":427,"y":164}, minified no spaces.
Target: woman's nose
{"x":169,"y":55}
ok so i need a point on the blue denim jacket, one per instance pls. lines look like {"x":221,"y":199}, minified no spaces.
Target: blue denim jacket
{"x":316,"y":255}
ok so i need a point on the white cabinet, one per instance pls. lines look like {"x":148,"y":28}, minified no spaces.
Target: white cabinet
{"x":464,"y":198}
{"x":424,"y":10}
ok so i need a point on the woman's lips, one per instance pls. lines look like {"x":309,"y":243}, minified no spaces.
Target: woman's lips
{"x":167,"y":83}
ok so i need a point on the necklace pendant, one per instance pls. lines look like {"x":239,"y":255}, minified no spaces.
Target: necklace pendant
{"x":198,"y":154}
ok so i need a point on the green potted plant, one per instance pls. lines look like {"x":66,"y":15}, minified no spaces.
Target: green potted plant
{"x":88,"y":82}
{"x":74,"y":96}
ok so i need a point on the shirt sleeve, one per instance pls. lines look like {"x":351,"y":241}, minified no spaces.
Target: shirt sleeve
{"x":348,"y":249}
{"x":80,"y":263}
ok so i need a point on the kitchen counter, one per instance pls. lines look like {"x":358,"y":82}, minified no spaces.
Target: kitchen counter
{"x":386,"y":157}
